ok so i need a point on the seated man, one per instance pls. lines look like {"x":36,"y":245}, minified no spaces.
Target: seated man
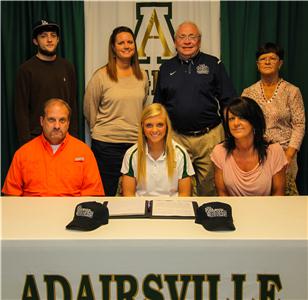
{"x":54,"y":163}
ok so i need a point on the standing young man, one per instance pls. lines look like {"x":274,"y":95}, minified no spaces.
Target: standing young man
{"x":44,"y":76}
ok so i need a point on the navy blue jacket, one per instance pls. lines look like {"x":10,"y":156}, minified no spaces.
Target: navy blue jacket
{"x":194,"y":92}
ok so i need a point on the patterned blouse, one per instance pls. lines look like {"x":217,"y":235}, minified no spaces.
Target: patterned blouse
{"x":284,"y":113}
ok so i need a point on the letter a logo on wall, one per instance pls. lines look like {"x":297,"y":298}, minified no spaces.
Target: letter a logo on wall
{"x":154,"y":32}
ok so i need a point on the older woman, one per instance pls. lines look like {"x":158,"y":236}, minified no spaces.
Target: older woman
{"x":283,"y":107}
{"x":113,"y":103}
{"x":156,"y":165}
{"x":245,"y":164}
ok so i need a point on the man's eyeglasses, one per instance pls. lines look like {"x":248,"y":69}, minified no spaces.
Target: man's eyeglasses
{"x":190,"y":37}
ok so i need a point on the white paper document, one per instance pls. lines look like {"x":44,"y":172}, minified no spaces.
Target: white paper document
{"x":126,"y":207}
{"x":181,"y":208}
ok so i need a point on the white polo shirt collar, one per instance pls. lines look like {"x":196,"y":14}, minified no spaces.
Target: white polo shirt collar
{"x":162,"y":156}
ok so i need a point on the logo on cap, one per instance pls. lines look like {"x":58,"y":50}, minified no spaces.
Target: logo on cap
{"x":215,"y":216}
{"x":44,"y":25}
{"x":218,"y":212}
{"x":84,"y":212}
{"x":89,"y":216}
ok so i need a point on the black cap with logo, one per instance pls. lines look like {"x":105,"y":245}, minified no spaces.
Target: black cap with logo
{"x":89,"y":216}
{"x":44,"y":25}
{"x":215,"y":216}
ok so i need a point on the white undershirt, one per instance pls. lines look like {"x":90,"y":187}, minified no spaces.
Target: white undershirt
{"x":55,"y":148}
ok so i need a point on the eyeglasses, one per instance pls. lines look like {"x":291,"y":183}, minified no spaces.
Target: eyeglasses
{"x":190,"y":37}
{"x":264,"y":60}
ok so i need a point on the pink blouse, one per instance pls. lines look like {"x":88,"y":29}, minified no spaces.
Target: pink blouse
{"x":256,"y":182}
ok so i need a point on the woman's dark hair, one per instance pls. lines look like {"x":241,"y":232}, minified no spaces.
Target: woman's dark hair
{"x":268,"y":48}
{"x":111,"y":66}
{"x":247,"y":109}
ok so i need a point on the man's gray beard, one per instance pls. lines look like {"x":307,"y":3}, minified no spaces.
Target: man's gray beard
{"x":46,"y":52}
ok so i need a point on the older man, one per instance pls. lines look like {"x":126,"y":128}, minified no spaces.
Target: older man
{"x":54,"y":163}
{"x":194,"y":87}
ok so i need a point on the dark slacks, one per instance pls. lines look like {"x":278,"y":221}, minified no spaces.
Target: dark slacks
{"x":109,"y":158}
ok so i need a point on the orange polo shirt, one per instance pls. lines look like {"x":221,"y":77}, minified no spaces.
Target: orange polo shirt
{"x":36,"y":171}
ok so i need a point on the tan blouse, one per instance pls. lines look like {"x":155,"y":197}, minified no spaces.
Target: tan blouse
{"x":113,"y":109}
{"x":284,"y":113}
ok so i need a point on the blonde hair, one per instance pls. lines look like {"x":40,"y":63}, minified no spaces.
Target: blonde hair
{"x":111,"y":65}
{"x":150,"y":111}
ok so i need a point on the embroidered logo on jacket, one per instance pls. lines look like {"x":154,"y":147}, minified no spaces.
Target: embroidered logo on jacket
{"x":203,"y":69}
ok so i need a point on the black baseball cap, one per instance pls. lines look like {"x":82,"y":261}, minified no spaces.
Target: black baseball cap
{"x":44,"y":25}
{"x":215,"y":216}
{"x":89,"y":216}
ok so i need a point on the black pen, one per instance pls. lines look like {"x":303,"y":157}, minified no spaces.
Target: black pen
{"x":149,"y":205}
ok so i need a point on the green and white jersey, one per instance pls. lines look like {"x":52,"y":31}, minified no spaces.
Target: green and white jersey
{"x":157,"y":181}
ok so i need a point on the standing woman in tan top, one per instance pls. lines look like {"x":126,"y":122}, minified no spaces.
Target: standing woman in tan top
{"x":113,"y":103}
{"x":283,"y":108}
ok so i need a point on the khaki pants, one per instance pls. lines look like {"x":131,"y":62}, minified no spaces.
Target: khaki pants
{"x":199,"y":149}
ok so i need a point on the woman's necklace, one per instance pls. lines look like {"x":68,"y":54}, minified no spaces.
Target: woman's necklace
{"x":269,"y":100}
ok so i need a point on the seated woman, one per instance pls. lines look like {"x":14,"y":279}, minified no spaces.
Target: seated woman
{"x":245,"y":164}
{"x":156,"y":165}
